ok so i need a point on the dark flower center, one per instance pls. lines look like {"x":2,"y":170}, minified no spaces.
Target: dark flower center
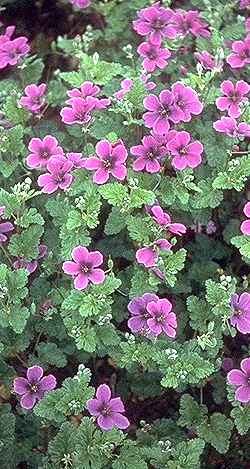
{"x":60,"y":177}
{"x":80,"y":116}
{"x":85,"y":269}
{"x":107,"y":164}
{"x":151,"y":155}
{"x":158,"y":24}
{"x":160,"y":319}
{"x":164,"y":112}
{"x":34,"y":387}
{"x":45,"y":154}
{"x":183,"y":151}
{"x":152,"y":54}
{"x":234,"y":97}
{"x":238,"y":312}
{"x":106,"y":411}
{"x":36,"y":100}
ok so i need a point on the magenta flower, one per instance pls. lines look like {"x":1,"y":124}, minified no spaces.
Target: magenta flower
{"x":245,"y":225}
{"x":161,"y":109}
{"x":241,"y":312}
{"x":149,"y":85}
{"x":42,"y":151}
{"x":163,"y":219}
{"x":12,"y":51}
{"x":81,"y":3}
{"x":126,"y":86}
{"x":5,"y":227}
{"x":235,"y":95}
{"x":207,"y":61}
{"x":76,"y":159}
{"x":79,"y":111}
{"x":89,"y":89}
{"x":149,"y":155}
{"x":241,"y":380}
{"x":139,"y":314}
{"x":33,"y":388}
{"x":58,"y":176}
{"x":244,"y":3}
{"x":154,"y":22}
{"x":162,"y":319}
{"x":247,"y":25}
{"x":240,"y":53}
{"x":148,"y":256}
{"x":110,"y":160}
{"x":190,"y":22}
{"x":155,"y":56}
{"x":232,"y":128}
{"x":186,"y":101}
{"x":185,"y":154}
{"x":108,"y":411}
{"x":83,"y":267}
{"x":34,"y":99}
{"x":7,"y":34}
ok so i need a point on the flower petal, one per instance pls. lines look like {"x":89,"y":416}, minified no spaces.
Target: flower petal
{"x":120,"y":421}
{"x":103,"y":393}
{"x":47,"y":383}
{"x":34,"y":374}
{"x":21,"y":385}
{"x":236,"y":377}
{"x":28,"y":401}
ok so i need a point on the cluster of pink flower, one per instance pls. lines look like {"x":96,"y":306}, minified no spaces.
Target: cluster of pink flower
{"x":12,"y":51}
{"x":157,"y":23}
{"x":232,"y":101}
{"x":82,"y":103}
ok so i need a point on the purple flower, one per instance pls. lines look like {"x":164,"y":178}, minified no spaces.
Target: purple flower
{"x":184,"y":153}
{"x":186,"y":101}
{"x":5,"y":227}
{"x":148,"y":155}
{"x":241,"y":380}
{"x":190,"y":22}
{"x":108,"y":411}
{"x":110,"y":160}
{"x":241,"y":312}
{"x":244,"y":3}
{"x":240,"y":53}
{"x":148,"y":256}
{"x":245,"y":225}
{"x":163,"y":219}
{"x":155,"y":56}
{"x":42,"y":151}
{"x":34,"y":99}
{"x":154,"y":22}
{"x":232,"y":128}
{"x":207,"y":61}
{"x":58,"y":176}
{"x":138,"y":310}
{"x":76,"y":159}
{"x":162,"y":319}
{"x":89,"y":89}
{"x":79,"y":111}
{"x":126,"y":86}
{"x":149,"y":85}
{"x":161,"y":109}
{"x":7,"y":35}
{"x":33,"y":388}
{"x":30,"y":266}
{"x":227,"y":364}
{"x":211,"y":227}
{"x":235,"y":95}
{"x":81,"y":3}
{"x":12,"y":51}
{"x":83,"y":267}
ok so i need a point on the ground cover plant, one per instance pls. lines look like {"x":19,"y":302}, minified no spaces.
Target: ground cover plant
{"x":124,"y":234}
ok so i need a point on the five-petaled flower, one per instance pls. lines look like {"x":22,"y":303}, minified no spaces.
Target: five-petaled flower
{"x":58,"y":176}
{"x":107,"y":410}
{"x":232,"y":128}
{"x":109,"y":161}
{"x":137,"y":307}
{"x":79,"y":111}
{"x":235,"y":95}
{"x":186,"y":154}
{"x":162,"y":319}
{"x":42,"y":150}
{"x":241,"y":380}
{"x":163,"y":219}
{"x":149,"y":155}
{"x":34,"y":99}
{"x":186,"y":101}
{"x":240,"y":53}
{"x":83,"y":268}
{"x":241,"y":312}
{"x":13,"y":51}
{"x":33,"y":388}
{"x":154,"y":56}
{"x":148,"y":255}
{"x":155,"y":23}
{"x":161,"y":111}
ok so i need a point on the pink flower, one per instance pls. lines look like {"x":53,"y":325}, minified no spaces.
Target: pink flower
{"x":139,"y":314}
{"x":244,"y":3}
{"x":149,"y":155}
{"x":81,"y":3}
{"x":80,"y":110}
{"x":161,"y":109}
{"x":34,"y":99}
{"x":76,"y":159}
{"x":241,"y":312}
{"x":241,"y":53}
{"x":162,"y":319}
{"x":42,"y":151}
{"x":154,"y":22}
{"x":126,"y":86}
{"x":58,"y":176}
{"x":108,"y":411}
{"x":163,"y":219}
{"x":33,"y":388}
{"x":235,"y":95}
{"x":83,"y":267}
{"x":190,"y":22}
{"x":88,"y":88}
{"x":148,"y":256}
{"x":241,"y":380}
{"x":5,"y":227}
{"x":232,"y":128}
{"x":7,"y":35}
{"x":149,"y":85}
{"x":208,"y":61}
{"x":110,"y":160}
{"x":245,"y":225}
{"x":186,"y":101}
{"x":185,"y":153}
{"x":155,"y":56}
{"x":247,"y":25}
{"x":12,"y":51}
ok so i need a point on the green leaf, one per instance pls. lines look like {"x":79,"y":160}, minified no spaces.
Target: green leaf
{"x":116,"y":194}
{"x":26,"y":243}
{"x":191,"y":413}
{"x":172,"y":264}
{"x":241,"y":416}
{"x":115,"y":223}
{"x":217,"y":431}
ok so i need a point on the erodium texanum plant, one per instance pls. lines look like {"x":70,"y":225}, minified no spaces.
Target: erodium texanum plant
{"x":125,"y":234}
